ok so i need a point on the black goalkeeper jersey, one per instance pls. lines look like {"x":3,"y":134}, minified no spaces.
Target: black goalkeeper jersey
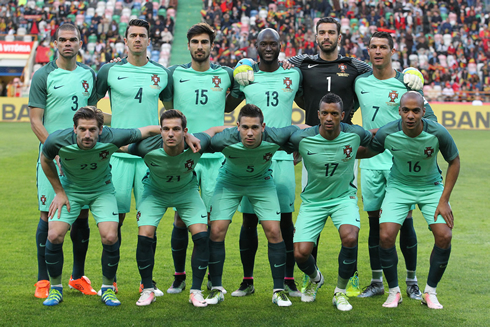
{"x":321,"y":77}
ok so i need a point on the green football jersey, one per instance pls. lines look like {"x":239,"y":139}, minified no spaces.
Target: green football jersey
{"x":168,"y":173}
{"x":273,"y":93}
{"x":61,"y":93}
{"x":415,"y":158}
{"x":379,"y":101}
{"x":243,"y":165}
{"x":330,"y":163}
{"x":201,"y":96}
{"x":87,"y":170}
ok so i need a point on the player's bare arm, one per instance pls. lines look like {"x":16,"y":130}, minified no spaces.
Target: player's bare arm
{"x":36,"y":117}
{"x":107,"y":119}
{"x":148,"y":131}
{"x":60,"y":199}
{"x":443,"y":208}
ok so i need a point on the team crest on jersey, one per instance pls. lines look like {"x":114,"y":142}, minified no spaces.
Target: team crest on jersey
{"x":343,"y":68}
{"x":267,"y":156}
{"x":155,"y":80}
{"x":288,"y":82}
{"x":104,"y":155}
{"x":138,"y":215}
{"x":428,"y":151}
{"x":216,"y":81}
{"x":347,"y":151}
{"x":188,"y":164}
{"x":85,"y":86}
{"x":43,"y":199}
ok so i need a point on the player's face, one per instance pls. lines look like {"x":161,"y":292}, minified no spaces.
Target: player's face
{"x":411,"y":110}
{"x":200,"y":47}
{"x":137,"y":40}
{"x":330,"y":115}
{"x":268,"y":48}
{"x":327,"y":37}
{"x":172,"y":132}
{"x":251,"y":131}
{"x":380,"y":52}
{"x":87,"y":133}
{"x":68,"y":44}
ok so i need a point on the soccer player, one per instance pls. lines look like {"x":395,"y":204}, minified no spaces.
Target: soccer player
{"x":274,"y":90}
{"x":134,"y":84}
{"x":415,"y":177}
{"x":58,"y":90}
{"x":379,"y":93}
{"x":84,"y":152}
{"x":199,"y":91}
{"x":171,"y":182}
{"x":248,"y":150}
{"x":329,"y":151}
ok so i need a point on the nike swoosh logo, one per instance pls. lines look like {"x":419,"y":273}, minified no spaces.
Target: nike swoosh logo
{"x":411,"y":247}
{"x":358,"y":220}
{"x":278,"y":213}
{"x":311,"y":66}
{"x":232,"y":157}
{"x":42,"y":245}
{"x":310,"y":153}
{"x":85,"y":241}
{"x":291,"y":204}
{"x":374,"y":246}
{"x":184,"y":80}
{"x":141,"y":268}
{"x":115,"y":214}
{"x":364,"y":92}
{"x":393,"y":149}
{"x":348,"y":263}
{"x":204,"y":216}
{"x":120,"y":78}
{"x":113,"y":265}
{"x":52,"y":263}
{"x":202,"y":268}
{"x":152,"y":164}
{"x":175,"y":250}
{"x":68,"y":159}
{"x":277,"y":266}
{"x":213,"y":263}
{"x":57,"y":87}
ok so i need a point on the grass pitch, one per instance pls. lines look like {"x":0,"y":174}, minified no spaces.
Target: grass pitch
{"x":464,"y":290}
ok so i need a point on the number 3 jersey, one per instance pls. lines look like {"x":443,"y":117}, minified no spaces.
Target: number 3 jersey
{"x":87,"y":170}
{"x":379,"y":101}
{"x":415,"y":158}
{"x":168,"y":174}
{"x":330,"y":163}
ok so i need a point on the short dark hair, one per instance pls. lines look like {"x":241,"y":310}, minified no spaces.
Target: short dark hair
{"x":173,"y":113}
{"x":332,"y":98}
{"x":383,"y":35}
{"x":200,"y":28}
{"x":89,"y":112}
{"x":67,"y":27}
{"x":251,"y":110}
{"x":138,"y":22}
{"x":328,"y":20}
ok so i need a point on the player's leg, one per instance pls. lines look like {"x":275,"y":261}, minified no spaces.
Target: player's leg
{"x":314,"y":252}
{"x":179,"y":242}
{"x":408,"y":246}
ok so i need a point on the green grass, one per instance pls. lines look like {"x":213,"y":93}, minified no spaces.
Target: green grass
{"x":464,"y":290}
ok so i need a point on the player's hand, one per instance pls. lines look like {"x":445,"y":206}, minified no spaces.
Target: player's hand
{"x":117,"y":59}
{"x":444,"y":209}
{"x":243,"y":72}
{"x":286,"y":64}
{"x":58,"y":202}
{"x":193,"y":142}
{"x":413,"y":78}
{"x":57,"y":158}
{"x":297,"y":158}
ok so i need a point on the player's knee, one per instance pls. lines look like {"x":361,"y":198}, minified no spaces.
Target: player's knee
{"x":443,"y":238}
{"x":386,"y":239}
{"x":301,"y":254}
{"x":55,"y":237}
{"x":349,"y":240}
{"x":274,"y":235}
{"x":109,"y":238}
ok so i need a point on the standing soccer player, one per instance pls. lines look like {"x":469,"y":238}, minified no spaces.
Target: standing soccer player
{"x":379,"y":93}
{"x":246,"y":172}
{"x":171,"y":182}
{"x":329,"y":152}
{"x":57,"y":91}
{"x":134,"y":84}
{"x":199,"y":91}
{"x":273,"y":90}
{"x":415,"y":178}
{"x":84,"y":152}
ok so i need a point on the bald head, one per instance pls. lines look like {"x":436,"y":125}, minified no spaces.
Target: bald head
{"x":268,"y":48}
{"x":268,"y":32}
{"x":412,"y":95}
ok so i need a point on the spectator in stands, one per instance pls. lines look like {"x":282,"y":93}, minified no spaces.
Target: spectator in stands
{"x":448,"y":93}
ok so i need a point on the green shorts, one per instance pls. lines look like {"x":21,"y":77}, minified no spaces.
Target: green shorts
{"x":400,"y":198}
{"x":283,"y":173}
{"x":102,"y":204}
{"x":127,"y":173}
{"x":207,"y":170}
{"x":313,"y":216}
{"x":373,"y":188}
{"x":263,"y":197}
{"x":187,"y":202}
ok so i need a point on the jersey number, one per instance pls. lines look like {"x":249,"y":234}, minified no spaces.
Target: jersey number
{"x":272,"y":98}
{"x":250,"y":169}
{"x":201,"y":96}
{"x":75,"y":103}
{"x":375,"y":112}
{"x":172,"y":177}
{"x":415,"y":167}
{"x":329,"y":80}
{"x":93,"y":166}
{"x":334,"y":167}
{"x":139,"y":95}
